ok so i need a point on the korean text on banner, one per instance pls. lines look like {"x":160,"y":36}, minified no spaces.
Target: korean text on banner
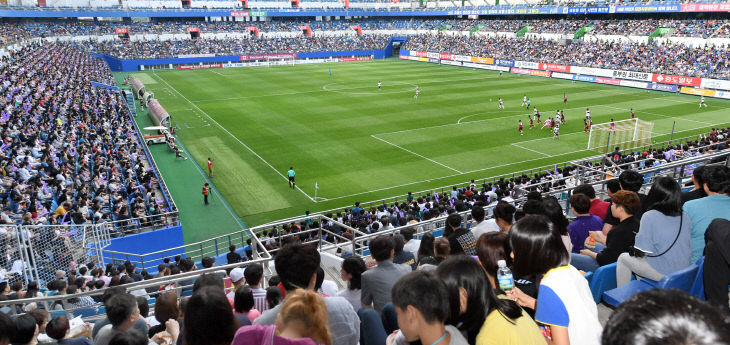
{"x":554,"y":67}
{"x":530,"y":72}
{"x":678,"y":80}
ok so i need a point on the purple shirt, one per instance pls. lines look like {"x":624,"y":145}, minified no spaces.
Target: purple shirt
{"x":258,"y":335}
{"x":579,"y":228}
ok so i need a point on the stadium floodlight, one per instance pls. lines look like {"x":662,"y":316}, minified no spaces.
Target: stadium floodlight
{"x":626,"y":134}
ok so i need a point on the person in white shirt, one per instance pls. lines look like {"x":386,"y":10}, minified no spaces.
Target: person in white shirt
{"x":412,"y":244}
{"x":481,"y":227}
{"x":351,"y":272}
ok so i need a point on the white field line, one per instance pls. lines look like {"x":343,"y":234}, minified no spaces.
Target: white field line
{"x":656,"y":114}
{"x":416,"y":154}
{"x":231,"y":134}
{"x":525,"y":148}
{"x":218,"y":73}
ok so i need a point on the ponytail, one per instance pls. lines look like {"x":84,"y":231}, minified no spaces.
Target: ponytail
{"x":307,"y":307}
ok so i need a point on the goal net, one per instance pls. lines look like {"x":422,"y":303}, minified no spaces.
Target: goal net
{"x":626,"y":134}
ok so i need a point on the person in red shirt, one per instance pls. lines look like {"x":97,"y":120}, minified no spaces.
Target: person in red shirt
{"x":598,"y":206}
{"x":210,"y":167}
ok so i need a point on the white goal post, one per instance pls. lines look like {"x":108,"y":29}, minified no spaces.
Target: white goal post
{"x":626,"y":134}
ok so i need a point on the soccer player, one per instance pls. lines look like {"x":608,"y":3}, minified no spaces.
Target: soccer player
{"x":548,"y":123}
{"x":612,"y":127}
{"x":529,"y":101}
{"x":557,"y":119}
{"x":562,"y":117}
{"x":702,"y":101}
{"x":520,"y":127}
{"x":537,"y":116}
{"x":524,"y":100}
{"x":532,"y":124}
{"x":586,"y":127}
{"x":418,"y":91}
{"x":632,"y":113}
{"x":556,"y":132}
{"x":379,"y":84}
{"x":330,"y":72}
{"x":501,"y":104}
{"x":291,"y":174}
{"x":565,"y":98}
{"x":588,"y":113}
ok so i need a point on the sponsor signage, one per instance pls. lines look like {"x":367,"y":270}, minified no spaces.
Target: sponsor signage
{"x":432,"y":60}
{"x":257,"y":13}
{"x":646,"y":8}
{"x":464,"y":58}
{"x":609,"y":81}
{"x":530,"y":72}
{"x":403,"y":57}
{"x":453,"y":63}
{"x":423,"y":59}
{"x":239,"y":14}
{"x":208,"y":66}
{"x":631,"y":75}
{"x":706,"y":7}
{"x":554,"y":67}
{"x":722,"y":94}
{"x":193,"y":29}
{"x":357,"y":58}
{"x":267,"y":57}
{"x":419,"y":54}
{"x":631,"y":83}
{"x":484,"y":60}
{"x":563,"y":75}
{"x":697,"y":91}
{"x":588,"y":78}
{"x":663,"y":87}
{"x":487,"y":67}
{"x":715,"y":84}
{"x":527,"y":64}
{"x":674,"y":79}
{"x":445,"y":56}
{"x":502,"y":62}
{"x":432,"y":55}
{"x":591,"y":71}
{"x":122,"y":30}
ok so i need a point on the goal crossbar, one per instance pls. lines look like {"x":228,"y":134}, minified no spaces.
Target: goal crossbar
{"x":625,"y":134}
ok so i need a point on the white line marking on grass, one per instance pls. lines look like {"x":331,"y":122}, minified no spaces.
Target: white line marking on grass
{"x":231,"y":134}
{"x":524,"y":148}
{"x":416,"y":154}
{"x":218,"y":73}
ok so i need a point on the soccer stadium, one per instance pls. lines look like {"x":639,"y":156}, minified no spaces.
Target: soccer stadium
{"x":369,"y":172}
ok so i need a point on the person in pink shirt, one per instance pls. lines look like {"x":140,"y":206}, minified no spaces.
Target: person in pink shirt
{"x":301,"y":321}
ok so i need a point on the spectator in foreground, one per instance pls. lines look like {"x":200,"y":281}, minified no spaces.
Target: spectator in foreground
{"x":140,"y":325}
{"x":584,"y":222}
{"x":58,"y":329}
{"x":352,"y":269}
{"x":7,"y":329}
{"x":412,"y":244}
{"x":660,"y":316}
{"x":232,"y":256}
{"x":166,"y":308}
{"x":422,"y":305}
{"x":123,"y":314}
{"x":254,"y":275}
{"x":297,"y":265}
{"x":26,"y":331}
{"x":715,"y":205}
{"x":664,"y":232}
{"x":378,"y":281}
{"x":698,"y":191}
{"x":462,"y":241}
{"x":425,"y":248}
{"x":208,"y":318}
{"x":400,"y":256}
{"x":564,"y":305}
{"x":302,"y":320}
{"x":243,"y":305}
{"x":598,"y":207}
{"x":716,"y":274}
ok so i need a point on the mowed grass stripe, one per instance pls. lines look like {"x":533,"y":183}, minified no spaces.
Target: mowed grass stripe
{"x":284,"y":114}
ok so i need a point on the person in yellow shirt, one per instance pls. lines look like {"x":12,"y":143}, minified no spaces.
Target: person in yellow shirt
{"x":62,"y":209}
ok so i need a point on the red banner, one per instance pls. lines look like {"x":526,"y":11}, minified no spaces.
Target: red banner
{"x":678,"y":80}
{"x":193,"y":29}
{"x":267,"y":57}
{"x":122,"y":30}
{"x":609,"y":81}
{"x":530,"y":72}
{"x":706,"y":7}
{"x":445,"y":56}
{"x":554,"y":67}
{"x":419,"y":54}
{"x":358,"y":58}
{"x":209,"y":66}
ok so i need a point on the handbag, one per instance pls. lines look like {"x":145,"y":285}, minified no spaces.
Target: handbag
{"x":637,"y":252}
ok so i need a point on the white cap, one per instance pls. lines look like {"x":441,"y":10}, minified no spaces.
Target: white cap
{"x":236,"y":274}
{"x":501,"y":263}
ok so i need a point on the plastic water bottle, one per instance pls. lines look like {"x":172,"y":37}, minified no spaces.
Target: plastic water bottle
{"x":504,"y":276}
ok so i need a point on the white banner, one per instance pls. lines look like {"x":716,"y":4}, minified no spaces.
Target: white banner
{"x":489,"y":67}
{"x":591,"y":71}
{"x":631,"y":83}
{"x":462,"y":58}
{"x":562,"y":75}
{"x":715,"y":84}
{"x":618,"y":74}
{"x":722,"y":94}
{"x":453,"y":63}
{"x":432,"y":55}
{"x":527,"y":64}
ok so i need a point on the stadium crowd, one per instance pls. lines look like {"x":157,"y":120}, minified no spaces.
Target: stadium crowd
{"x":69,"y":153}
{"x":659,"y":58}
{"x":444,"y":290}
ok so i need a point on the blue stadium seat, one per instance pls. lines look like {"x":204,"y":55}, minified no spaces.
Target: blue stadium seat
{"x":603,"y":279}
{"x":588,"y":276}
{"x":438,"y":233}
{"x":86,"y":312}
{"x":682,"y":280}
{"x":221,"y":259}
{"x":698,"y":286}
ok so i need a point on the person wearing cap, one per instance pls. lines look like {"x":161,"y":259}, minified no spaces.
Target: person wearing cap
{"x":237,"y":280}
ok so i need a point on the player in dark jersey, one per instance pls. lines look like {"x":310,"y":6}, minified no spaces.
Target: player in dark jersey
{"x":532,"y":123}
{"x":520,"y":127}
{"x":632,"y":113}
{"x":586,"y":127}
{"x":565,"y":98}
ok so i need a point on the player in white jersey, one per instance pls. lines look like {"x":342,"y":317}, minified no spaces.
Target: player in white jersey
{"x":379,"y":84}
{"x":558,"y":122}
{"x":418,"y":91}
{"x":702,"y":101}
{"x":588,"y":113}
{"x":556,"y":132}
{"x":501,"y":104}
{"x":524,"y":100}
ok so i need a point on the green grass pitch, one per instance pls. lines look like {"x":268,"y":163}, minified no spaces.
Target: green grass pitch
{"x":360,"y":143}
